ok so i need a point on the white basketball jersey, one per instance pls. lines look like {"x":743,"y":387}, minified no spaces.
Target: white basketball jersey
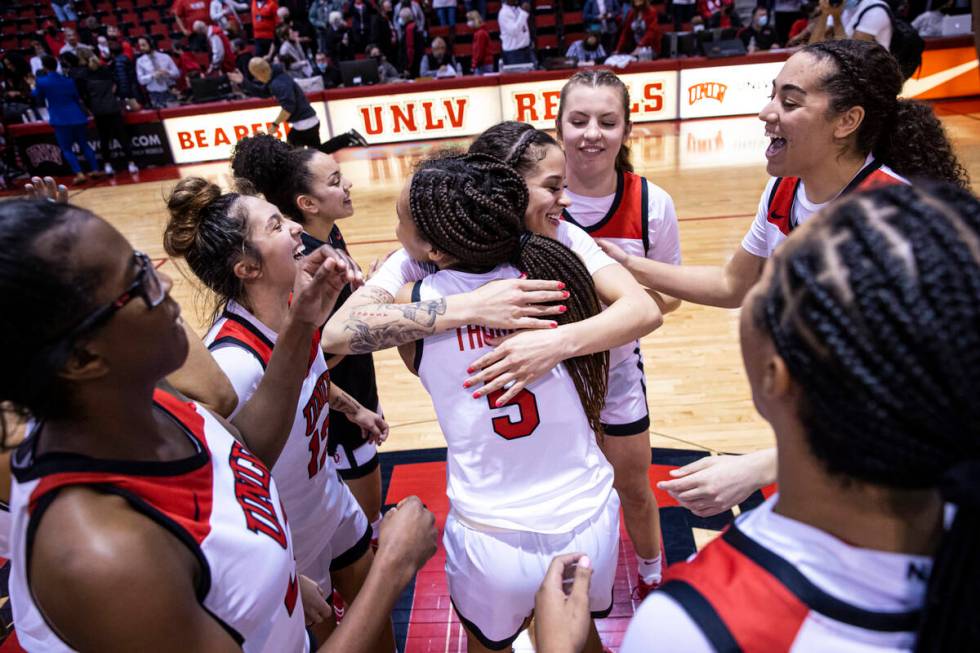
{"x":532,"y":465}
{"x":311,"y":490}
{"x":221,"y":502}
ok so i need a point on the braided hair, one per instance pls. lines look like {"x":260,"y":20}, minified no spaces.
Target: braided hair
{"x":517,"y":144}
{"x":276,"y":169}
{"x":595,"y":78}
{"x":876,"y":312}
{"x":904,"y":134}
{"x":472,"y":208}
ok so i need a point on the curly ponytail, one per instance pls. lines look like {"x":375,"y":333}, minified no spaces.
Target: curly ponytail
{"x":472,"y":207}
{"x":276,"y":169}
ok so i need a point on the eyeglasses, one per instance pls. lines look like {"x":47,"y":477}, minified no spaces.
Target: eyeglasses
{"x":146,"y":286}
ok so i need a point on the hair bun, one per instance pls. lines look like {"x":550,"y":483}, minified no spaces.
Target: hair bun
{"x":187,"y":204}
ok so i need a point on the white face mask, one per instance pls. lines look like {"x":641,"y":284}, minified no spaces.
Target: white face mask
{"x":763,"y":21}
{"x":471,"y":24}
{"x":698,"y":28}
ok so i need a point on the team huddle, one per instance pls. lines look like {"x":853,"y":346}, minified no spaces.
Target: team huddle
{"x":179,"y":495}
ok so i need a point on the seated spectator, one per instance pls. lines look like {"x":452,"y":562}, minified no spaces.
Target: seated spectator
{"x":72,"y":44}
{"x":188,"y":65}
{"x":328,"y":72}
{"x":156,"y":72}
{"x":124,"y":75}
{"x":338,"y":40}
{"x":515,"y":36}
{"x":759,"y":35}
{"x":112,"y":33}
{"x":106,"y":109}
{"x":64,"y":11}
{"x":225,"y":14}
{"x":641,"y":29}
{"x":930,"y":23}
{"x":264,"y":18}
{"x":412,"y":43}
{"x":299,"y":65}
{"x":440,"y":62}
{"x":589,"y":48}
{"x":387,"y":73}
{"x":221,"y":57}
{"x":359,"y":13}
{"x":714,"y":12}
{"x":607,"y":16}
{"x":446,"y":12}
{"x":241,"y":54}
{"x":482,"y":58}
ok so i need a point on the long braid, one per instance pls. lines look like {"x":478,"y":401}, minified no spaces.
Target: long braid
{"x":472,"y":208}
{"x":876,"y":312}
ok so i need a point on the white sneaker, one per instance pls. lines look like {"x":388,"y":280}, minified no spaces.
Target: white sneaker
{"x":108,"y":169}
{"x":133,"y":168}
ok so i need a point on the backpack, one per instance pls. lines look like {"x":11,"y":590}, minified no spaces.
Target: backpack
{"x":906,"y":46}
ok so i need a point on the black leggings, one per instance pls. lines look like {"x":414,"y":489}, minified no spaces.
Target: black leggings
{"x":112,"y":126}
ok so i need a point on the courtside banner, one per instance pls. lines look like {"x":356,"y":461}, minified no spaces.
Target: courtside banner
{"x":722,"y":142}
{"x":945,"y":73}
{"x":653,"y":96}
{"x":211,"y":136}
{"x":415,"y":116}
{"x":726,"y":90}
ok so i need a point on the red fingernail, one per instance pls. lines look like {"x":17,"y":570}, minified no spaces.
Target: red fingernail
{"x":469,"y":370}
{"x":523,"y":275}
{"x":466,"y":384}
{"x":566,"y":295}
{"x":498,"y":404}
{"x":561,"y":286}
{"x":562,"y":309}
{"x":476,"y":395}
{"x":554,"y":325}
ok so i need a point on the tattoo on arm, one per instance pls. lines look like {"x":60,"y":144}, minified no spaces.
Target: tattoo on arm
{"x":343,"y":402}
{"x":379,"y":326}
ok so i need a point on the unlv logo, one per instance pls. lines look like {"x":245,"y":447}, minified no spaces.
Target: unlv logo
{"x":317,"y":433}
{"x":253,"y":483}
{"x":706,"y":91}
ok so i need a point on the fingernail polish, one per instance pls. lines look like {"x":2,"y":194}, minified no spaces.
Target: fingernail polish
{"x":567,"y":294}
{"x":498,"y":404}
{"x":466,"y":384}
{"x":476,"y":395}
{"x":562,"y":309}
{"x":554,"y":325}
{"x":561,"y":286}
{"x":469,"y":370}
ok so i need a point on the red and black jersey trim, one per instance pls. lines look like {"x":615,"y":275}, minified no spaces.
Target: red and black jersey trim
{"x":240,"y":332}
{"x":703,"y":614}
{"x":624,"y":187}
{"x":610,"y":214}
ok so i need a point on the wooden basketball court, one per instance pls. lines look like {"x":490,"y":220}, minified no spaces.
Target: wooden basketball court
{"x":698,"y":396}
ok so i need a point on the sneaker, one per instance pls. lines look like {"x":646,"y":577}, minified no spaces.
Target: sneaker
{"x":109,"y":170}
{"x":80,"y":178}
{"x":643,"y":588}
{"x":133,"y":168}
{"x":356,"y":138}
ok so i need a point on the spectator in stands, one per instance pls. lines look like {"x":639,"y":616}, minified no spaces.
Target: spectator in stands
{"x":53,"y":38}
{"x":640,"y":29}
{"x":156,"y":72}
{"x":799,"y":33}
{"x":241,"y":55}
{"x":446,"y":11}
{"x":359,"y":13}
{"x":102,"y":49}
{"x":89,"y":31}
{"x":124,"y":75}
{"x":107,"y":112}
{"x":440,"y":62}
{"x":66,"y":116}
{"x":327,"y":71}
{"x":515,"y":37}
{"x":338,"y":38}
{"x":319,"y":16}
{"x":759,"y":35}
{"x":265,"y":14}
{"x":682,"y":11}
{"x":607,"y":15}
{"x":225,"y":14}
{"x":387,"y":73}
{"x":221,"y":58}
{"x":412,"y":43}
{"x":785,"y":13}
{"x":930,"y":23}
{"x":482,"y":58}
{"x":588,"y":49}
{"x":384,"y":33}
{"x":39,"y":51}
{"x":713,"y":12}
{"x":300,"y":63}
{"x":64,"y":11}
{"x":16,"y":100}
{"x":72,"y":44}
{"x":112,"y":33}
{"x":863,"y":20}
{"x":418,"y":14}
{"x":188,"y":65}
{"x":188,"y":12}
{"x":273,"y":80}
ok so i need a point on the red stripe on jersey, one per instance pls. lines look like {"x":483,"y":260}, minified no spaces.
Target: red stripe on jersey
{"x":236,"y":331}
{"x":184,"y":498}
{"x":761,"y":613}
{"x":880,"y":178}
{"x":626,"y":219}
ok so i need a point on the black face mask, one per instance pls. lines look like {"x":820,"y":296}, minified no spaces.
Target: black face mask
{"x":590,"y":46}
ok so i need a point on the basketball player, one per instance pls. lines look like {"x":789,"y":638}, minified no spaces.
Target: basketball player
{"x":244,"y":251}
{"x":860,"y":342}
{"x":141,"y":523}
{"x":522,"y":357}
{"x":526,"y":479}
{"x":836,"y":124}
{"x":308,"y":187}
{"x":609,"y":201}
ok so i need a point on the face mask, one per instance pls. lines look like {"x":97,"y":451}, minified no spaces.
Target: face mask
{"x":471,"y":24}
{"x":401,"y":21}
{"x":698,"y":28}
{"x":322,"y":67}
{"x":763,"y":21}
{"x":590,"y":46}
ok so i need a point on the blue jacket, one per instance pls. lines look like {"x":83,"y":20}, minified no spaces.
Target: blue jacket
{"x":61,"y":95}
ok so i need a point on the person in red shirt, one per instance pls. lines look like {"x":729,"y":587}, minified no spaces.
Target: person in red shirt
{"x":264,"y":17}
{"x":641,"y":29}
{"x":112,"y":33}
{"x":188,"y":11}
{"x":482,"y":57}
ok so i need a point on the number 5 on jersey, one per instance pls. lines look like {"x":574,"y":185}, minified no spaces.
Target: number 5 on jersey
{"x":527,"y":414}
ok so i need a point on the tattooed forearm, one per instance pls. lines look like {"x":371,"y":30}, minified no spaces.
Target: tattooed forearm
{"x":366,"y":338}
{"x":423,"y":314}
{"x":342,"y":402}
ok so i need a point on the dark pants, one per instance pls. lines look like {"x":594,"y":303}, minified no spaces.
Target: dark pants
{"x":262,"y":47}
{"x":67,"y":135}
{"x":523,"y":55}
{"x":682,"y":14}
{"x":304,"y":137}
{"x":112,"y":126}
